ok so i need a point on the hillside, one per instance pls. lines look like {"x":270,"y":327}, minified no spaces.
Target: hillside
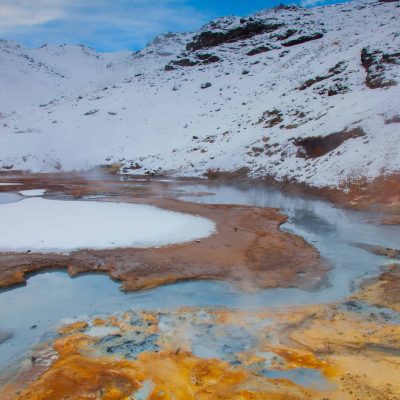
{"x":306,"y":94}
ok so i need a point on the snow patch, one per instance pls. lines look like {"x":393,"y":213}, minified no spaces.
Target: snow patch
{"x":33,"y":192}
{"x":37,"y":224}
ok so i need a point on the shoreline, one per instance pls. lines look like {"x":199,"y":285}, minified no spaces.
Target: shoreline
{"x":381,"y":194}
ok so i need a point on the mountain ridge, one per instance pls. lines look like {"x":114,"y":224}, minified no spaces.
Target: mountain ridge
{"x":308,"y":95}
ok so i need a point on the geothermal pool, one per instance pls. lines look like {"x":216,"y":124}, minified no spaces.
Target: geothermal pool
{"x":32,"y":313}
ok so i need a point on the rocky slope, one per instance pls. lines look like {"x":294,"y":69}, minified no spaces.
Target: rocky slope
{"x":306,"y":94}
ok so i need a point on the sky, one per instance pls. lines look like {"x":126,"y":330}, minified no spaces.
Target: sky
{"x":111,"y":25}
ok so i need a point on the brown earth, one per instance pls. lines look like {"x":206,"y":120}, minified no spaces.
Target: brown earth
{"x":379,"y":250}
{"x":383,"y":291}
{"x":381,"y":194}
{"x":247,"y":249}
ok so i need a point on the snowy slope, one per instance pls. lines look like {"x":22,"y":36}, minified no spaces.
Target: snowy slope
{"x":33,"y":76}
{"x":307,"y":94}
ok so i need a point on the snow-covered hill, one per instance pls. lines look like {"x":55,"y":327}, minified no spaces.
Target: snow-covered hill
{"x":307,"y":94}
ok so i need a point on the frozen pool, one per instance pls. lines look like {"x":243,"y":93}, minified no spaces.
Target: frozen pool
{"x":37,"y":224}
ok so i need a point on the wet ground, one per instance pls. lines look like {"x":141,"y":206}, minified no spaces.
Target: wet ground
{"x":252,"y":345}
{"x":335,"y":351}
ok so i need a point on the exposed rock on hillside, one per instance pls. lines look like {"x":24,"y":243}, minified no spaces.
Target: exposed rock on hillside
{"x":303,"y":39}
{"x":317,"y":146}
{"x":379,"y":67}
{"x":289,"y":87}
{"x":246,"y":30}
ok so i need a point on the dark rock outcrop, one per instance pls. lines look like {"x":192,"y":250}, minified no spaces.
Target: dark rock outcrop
{"x":184,"y":62}
{"x":271,"y":118}
{"x":207,"y":58}
{"x":335,"y":89}
{"x":285,"y":35}
{"x":201,"y":59}
{"x":393,"y":120}
{"x":259,"y":50}
{"x":317,"y":146}
{"x":376,"y":64}
{"x":245,"y":31}
{"x":336,"y":70}
{"x":205,"y":85}
{"x":303,"y":39}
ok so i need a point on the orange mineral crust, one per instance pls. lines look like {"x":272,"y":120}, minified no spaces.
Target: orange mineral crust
{"x":160,"y":355}
{"x":168,"y":376}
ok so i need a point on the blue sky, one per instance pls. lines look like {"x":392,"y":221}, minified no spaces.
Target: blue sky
{"x":109,"y":25}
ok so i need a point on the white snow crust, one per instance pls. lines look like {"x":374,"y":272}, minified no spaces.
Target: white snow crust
{"x":42,"y":225}
{"x":33,"y":192}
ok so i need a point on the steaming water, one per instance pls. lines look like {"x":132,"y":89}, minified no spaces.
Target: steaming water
{"x":32,"y":312}
{"x":330,"y":229}
{"x":307,"y":377}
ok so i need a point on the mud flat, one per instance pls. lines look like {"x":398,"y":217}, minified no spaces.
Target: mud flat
{"x":248,"y":248}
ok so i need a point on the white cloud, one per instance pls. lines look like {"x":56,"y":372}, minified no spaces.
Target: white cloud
{"x":115,"y":23}
{"x":15,"y":13}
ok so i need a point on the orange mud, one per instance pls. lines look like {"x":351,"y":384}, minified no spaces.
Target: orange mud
{"x":172,"y":376}
{"x":357,"y":356}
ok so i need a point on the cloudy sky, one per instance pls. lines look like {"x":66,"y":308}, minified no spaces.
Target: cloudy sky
{"x":115,"y":24}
